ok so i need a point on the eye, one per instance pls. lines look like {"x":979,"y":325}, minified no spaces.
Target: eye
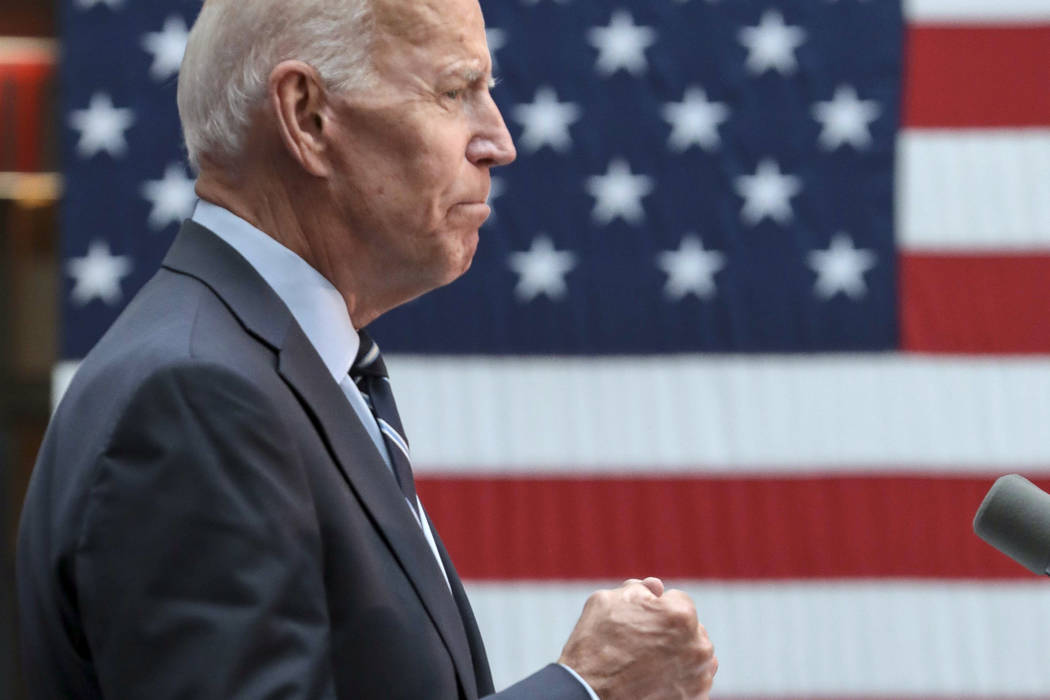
{"x":453,"y":94}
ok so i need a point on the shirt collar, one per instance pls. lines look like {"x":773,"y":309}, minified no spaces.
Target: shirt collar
{"x":316,"y":305}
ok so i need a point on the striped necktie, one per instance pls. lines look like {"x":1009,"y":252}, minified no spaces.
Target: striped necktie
{"x":369,"y":375}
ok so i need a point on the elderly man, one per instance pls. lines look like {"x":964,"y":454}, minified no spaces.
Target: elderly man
{"x":223,"y":506}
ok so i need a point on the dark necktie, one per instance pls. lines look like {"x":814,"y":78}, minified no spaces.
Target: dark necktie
{"x":369,"y":375}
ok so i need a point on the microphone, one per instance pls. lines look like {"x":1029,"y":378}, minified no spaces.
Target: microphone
{"x":1015,"y":519}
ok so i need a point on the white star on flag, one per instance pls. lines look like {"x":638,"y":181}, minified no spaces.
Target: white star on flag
{"x":690,"y":269}
{"x":87,"y":4}
{"x":622,"y":45}
{"x":541,"y":270}
{"x":172,"y":197}
{"x":695,"y":121}
{"x":167,"y":47}
{"x":496,"y":189}
{"x":841,"y":268}
{"x":772,"y":44}
{"x":846,"y":119}
{"x":618,"y":194}
{"x":546,"y":121}
{"x":767,"y":193}
{"x":102,"y":127}
{"x":98,"y":275}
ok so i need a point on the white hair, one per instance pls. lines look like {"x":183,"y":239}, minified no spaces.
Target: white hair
{"x":236,"y":44}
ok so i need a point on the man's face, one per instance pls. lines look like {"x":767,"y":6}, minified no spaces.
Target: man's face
{"x":411,"y":157}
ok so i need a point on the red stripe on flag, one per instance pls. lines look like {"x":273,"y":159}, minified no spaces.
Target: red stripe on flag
{"x":714,"y":528}
{"x":977,"y":76}
{"x":975,"y":304}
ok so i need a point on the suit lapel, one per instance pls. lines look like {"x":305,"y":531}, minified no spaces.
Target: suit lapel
{"x":377,"y":490}
{"x":201,"y":254}
{"x":477,"y":647}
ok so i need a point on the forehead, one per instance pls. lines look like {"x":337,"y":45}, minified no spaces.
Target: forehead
{"x":431,"y":23}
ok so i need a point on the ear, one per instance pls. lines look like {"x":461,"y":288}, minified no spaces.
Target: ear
{"x":297,"y":99}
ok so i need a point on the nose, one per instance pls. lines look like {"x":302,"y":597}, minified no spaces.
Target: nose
{"x":491,"y":144}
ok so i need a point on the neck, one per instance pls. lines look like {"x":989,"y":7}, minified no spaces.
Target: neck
{"x":292,"y":218}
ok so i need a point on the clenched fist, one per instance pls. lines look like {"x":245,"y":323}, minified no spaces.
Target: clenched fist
{"x":639,"y":642}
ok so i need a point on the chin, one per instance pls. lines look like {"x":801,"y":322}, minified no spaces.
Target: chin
{"x":462,"y":258}
{"x":451,"y":260}
{"x":457,"y":267}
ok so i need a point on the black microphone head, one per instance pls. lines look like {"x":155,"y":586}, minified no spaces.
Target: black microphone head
{"x":1015,"y":519}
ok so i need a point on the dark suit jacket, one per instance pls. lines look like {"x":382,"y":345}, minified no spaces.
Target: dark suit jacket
{"x":209,"y":519}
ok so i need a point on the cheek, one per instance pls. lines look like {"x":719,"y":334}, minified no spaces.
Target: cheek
{"x":440,"y":163}
{"x":434,"y":189}
{"x":440,"y":167}
{"x":418,"y":179}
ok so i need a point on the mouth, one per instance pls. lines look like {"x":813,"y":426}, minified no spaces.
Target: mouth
{"x":473,"y":211}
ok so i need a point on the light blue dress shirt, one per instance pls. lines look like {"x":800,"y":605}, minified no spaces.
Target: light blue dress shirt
{"x":321,"y":312}
{"x":317,"y":307}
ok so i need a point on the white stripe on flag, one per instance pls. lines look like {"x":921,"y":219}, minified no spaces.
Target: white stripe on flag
{"x":755,"y":414}
{"x":805,"y":640}
{"x":976,"y":190}
{"x":976,"y":11}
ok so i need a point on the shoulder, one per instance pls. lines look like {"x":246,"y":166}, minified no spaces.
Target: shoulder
{"x":176,"y":353}
{"x":175,"y":388}
{"x":176,"y":326}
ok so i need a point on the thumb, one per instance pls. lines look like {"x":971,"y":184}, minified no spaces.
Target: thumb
{"x":655,"y":586}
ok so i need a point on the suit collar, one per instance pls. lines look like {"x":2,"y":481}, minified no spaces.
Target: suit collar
{"x":315,"y":303}
{"x":201,"y":254}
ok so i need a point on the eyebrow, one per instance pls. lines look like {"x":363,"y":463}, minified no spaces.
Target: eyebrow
{"x":470,"y":74}
{"x":473,"y":76}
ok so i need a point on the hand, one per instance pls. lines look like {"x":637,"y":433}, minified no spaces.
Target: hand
{"x":638,"y":642}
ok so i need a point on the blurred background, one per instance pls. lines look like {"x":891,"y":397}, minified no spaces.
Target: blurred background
{"x":762,"y":309}
{"x":29,"y":272}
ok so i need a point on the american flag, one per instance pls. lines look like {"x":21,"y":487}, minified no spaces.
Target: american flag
{"x":763,"y":309}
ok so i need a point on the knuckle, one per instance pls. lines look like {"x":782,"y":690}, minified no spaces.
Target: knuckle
{"x":679,"y":599}
{"x":699,"y":654}
{"x":708,"y":677}
{"x":682,"y":626}
{"x":682,"y":614}
{"x":705,"y":676}
{"x":600,"y":598}
{"x":706,"y":684}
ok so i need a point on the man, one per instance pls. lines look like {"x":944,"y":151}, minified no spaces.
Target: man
{"x":223,"y":506}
